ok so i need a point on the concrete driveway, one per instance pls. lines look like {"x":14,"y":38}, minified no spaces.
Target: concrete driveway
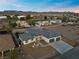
{"x":61,"y":46}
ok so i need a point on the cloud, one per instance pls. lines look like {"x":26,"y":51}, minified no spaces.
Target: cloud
{"x":71,"y":9}
{"x":6,"y":1}
{"x":7,"y":4}
{"x":75,"y":9}
{"x":55,"y":5}
{"x":20,"y":7}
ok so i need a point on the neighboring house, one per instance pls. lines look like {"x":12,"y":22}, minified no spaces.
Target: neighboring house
{"x":70,"y":23}
{"x":42,"y":23}
{"x":73,"y":19}
{"x":22,"y":23}
{"x":3,"y":17}
{"x":6,"y":43}
{"x":46,"y":23}
{"x":22,"y":16}
{"x":55,"y":21}
{"x":31,"y":35}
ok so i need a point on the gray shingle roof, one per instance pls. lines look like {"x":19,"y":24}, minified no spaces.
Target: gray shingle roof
{"x":31,"y":32}
{"x":25,"y":36}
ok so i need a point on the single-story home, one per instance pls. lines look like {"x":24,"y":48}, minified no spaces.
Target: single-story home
{"x":22,"y":16}
{"x":22,"y":23}
{"x":56,"y":21}
{"x":31,"y":35}
{"x":42,"y":23}
{"x":6,"y":43}
{"x":3,"y":17}
{"x":48,"y":22}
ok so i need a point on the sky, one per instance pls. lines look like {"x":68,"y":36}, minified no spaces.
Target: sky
{"x":40,"y":5}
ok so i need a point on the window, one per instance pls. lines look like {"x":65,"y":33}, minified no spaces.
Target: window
{"x":57,"y":39}
{"x":51,"y":40}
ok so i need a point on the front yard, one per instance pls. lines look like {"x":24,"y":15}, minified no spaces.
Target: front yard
{"x":39,"y":52}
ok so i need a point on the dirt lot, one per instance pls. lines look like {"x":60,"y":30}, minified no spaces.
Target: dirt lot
{"x":74,"y":43}
{"x":39,"y":52}
{"x":70,"y":32}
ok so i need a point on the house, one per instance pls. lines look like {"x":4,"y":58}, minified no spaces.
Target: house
{"x":70,"y":23}
{"x":31,"y":35}
{"x":22,"y":23}
{"x":3,"y":17}
{"x":6,"y":43}
{"x":42,"y":23}
{"x":73,"y":19}
{"x":22,"y":16}
{"x":48,"y":22}
{"x":57,"y":21}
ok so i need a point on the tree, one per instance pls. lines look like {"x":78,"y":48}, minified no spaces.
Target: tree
{"x":29,"y":17}
{"x":11,"y":22}
{"x":22,"y":18}
{"x":13,"y":25}
{"x":9,"y":18}
{"x":30,"y":20}
{"x":15,"y":18}
{"x":65,"y":19}
{"x":77,"y":19}
{"x":8,"y":28}
{"x":45,"y":17}
{"x":59,"y":18}
{"x":13,"y":54}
